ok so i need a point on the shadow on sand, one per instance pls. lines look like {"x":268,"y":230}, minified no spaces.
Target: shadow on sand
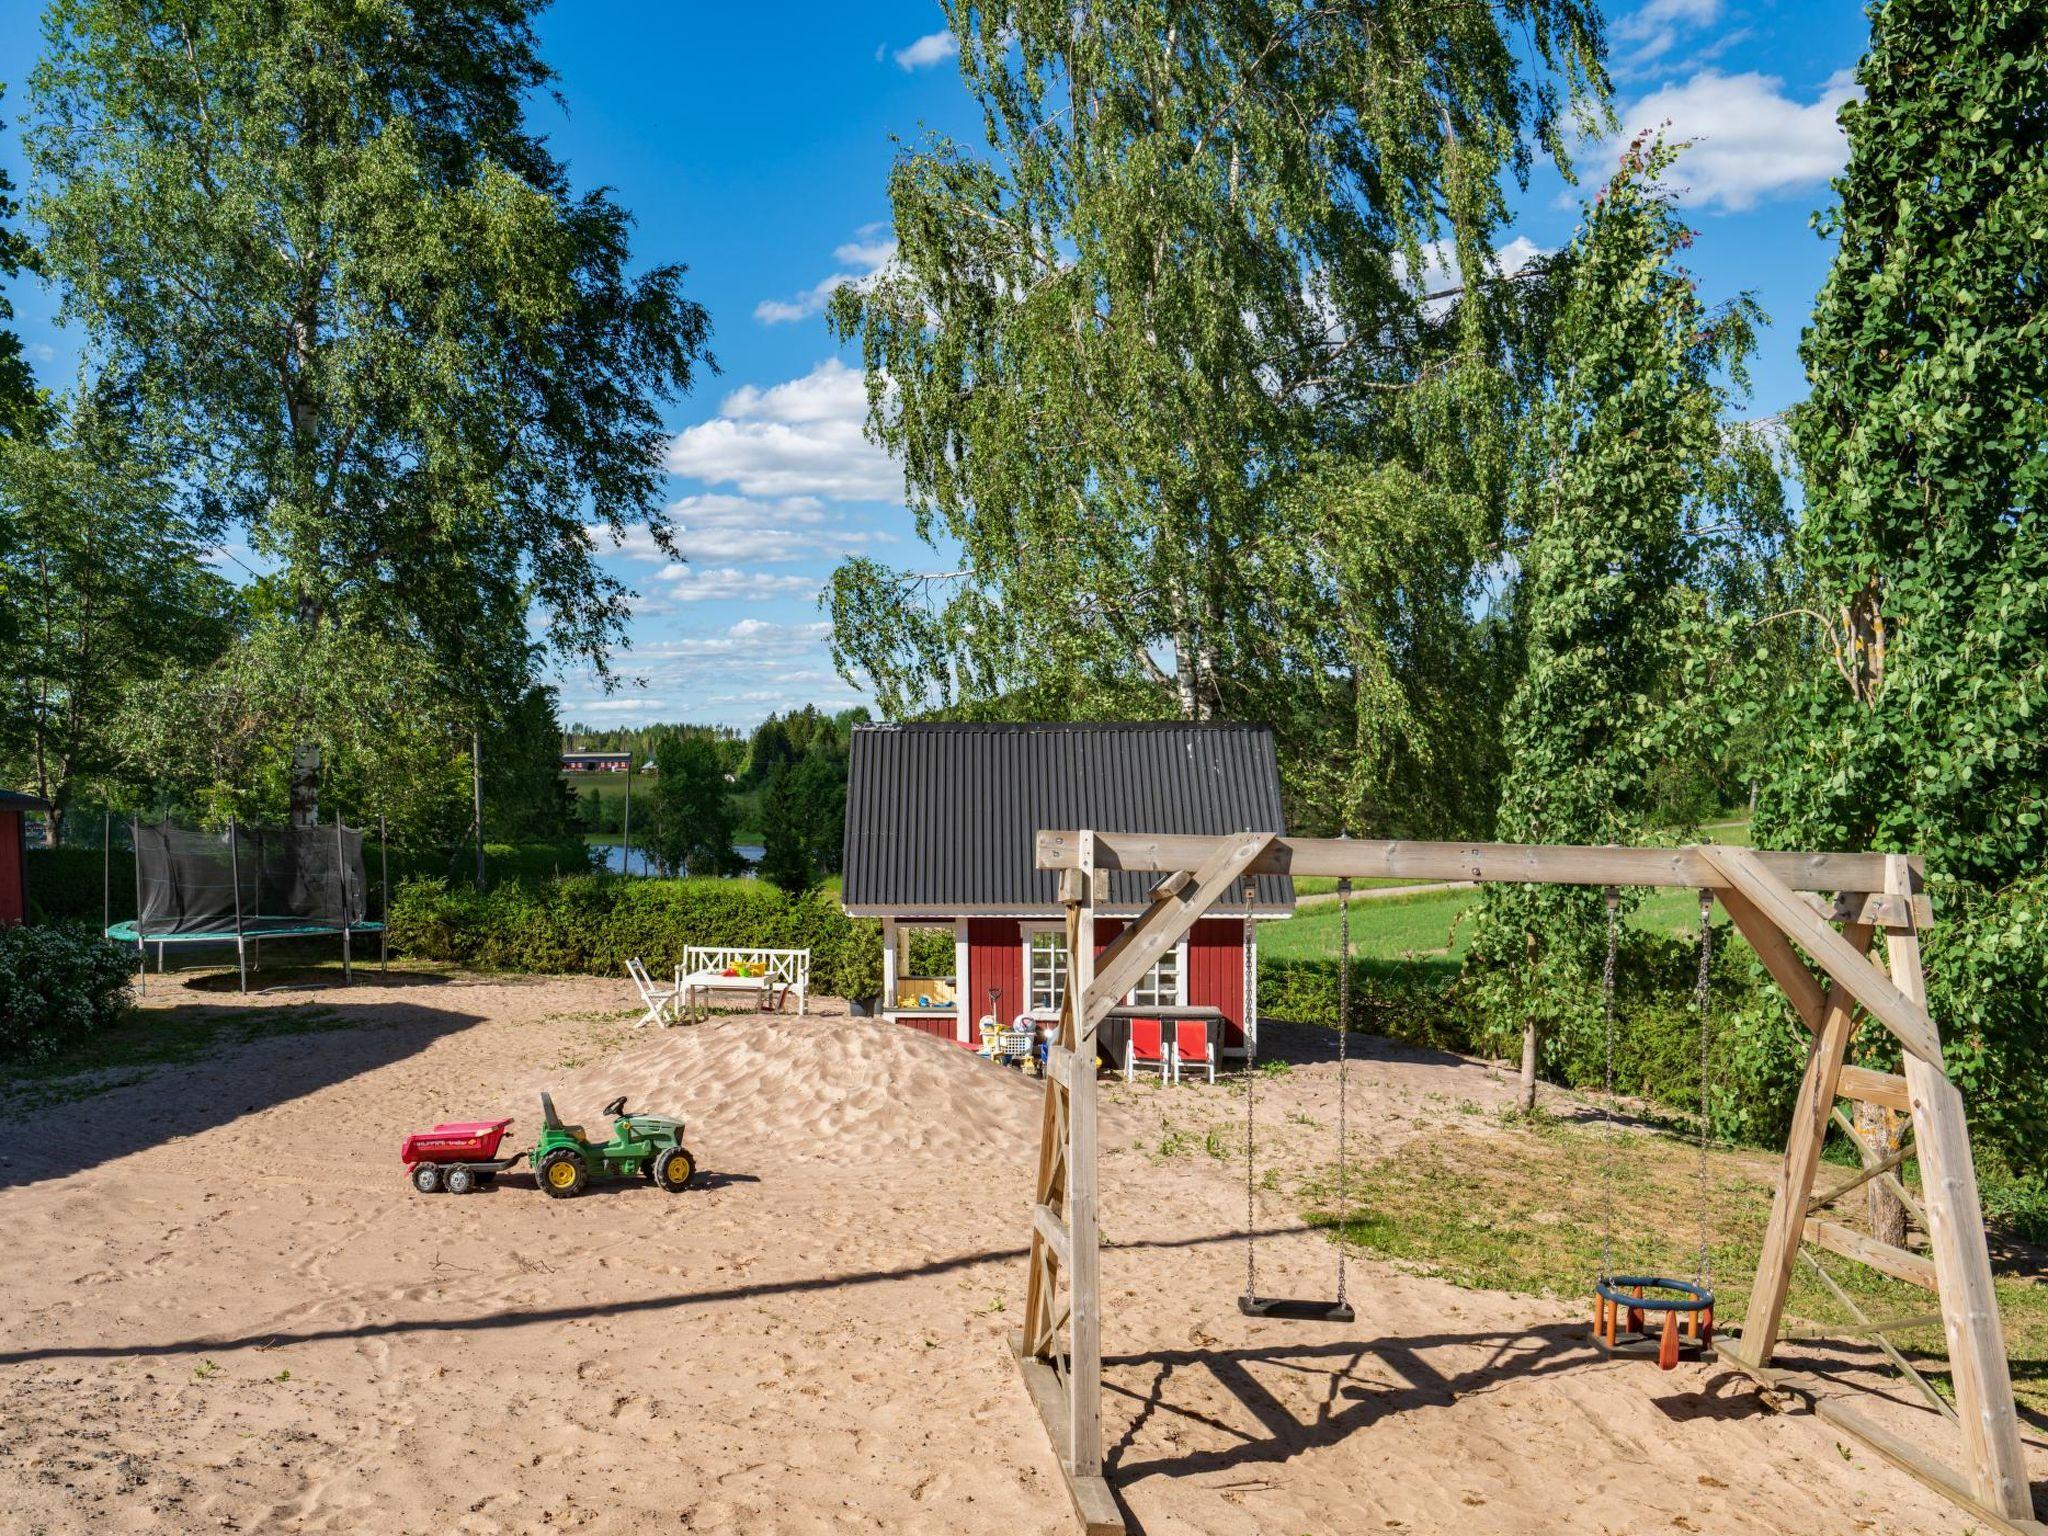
{"x":248,"y":1073}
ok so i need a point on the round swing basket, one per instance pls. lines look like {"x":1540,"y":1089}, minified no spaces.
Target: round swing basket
{"x":1624,"y":1307}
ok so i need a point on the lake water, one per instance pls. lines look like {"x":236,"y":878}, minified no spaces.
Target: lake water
{"x":615,"y":857}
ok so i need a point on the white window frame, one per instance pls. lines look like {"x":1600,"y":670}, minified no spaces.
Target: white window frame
{"x":1028,"y":931}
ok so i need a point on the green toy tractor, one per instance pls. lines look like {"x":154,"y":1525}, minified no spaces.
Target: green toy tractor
{"x":651,"y":1146}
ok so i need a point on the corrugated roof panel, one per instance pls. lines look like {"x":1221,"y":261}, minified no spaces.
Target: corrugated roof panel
{"x":942,"y":816}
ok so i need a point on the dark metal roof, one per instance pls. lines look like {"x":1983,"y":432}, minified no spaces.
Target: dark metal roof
{"x":941,"y":818}
{"x":19,"y":802}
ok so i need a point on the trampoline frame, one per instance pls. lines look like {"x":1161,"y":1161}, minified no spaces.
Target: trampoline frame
{"x":129,"y":930}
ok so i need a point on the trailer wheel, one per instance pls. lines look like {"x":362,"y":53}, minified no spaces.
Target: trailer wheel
{"x":562,"y":1173}
{"x":426,"y":1178}
{"x":460,"y":1181}
{"x":674,"y":1168}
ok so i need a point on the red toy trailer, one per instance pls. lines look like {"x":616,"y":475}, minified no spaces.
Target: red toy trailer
{"x":457,"y":1155}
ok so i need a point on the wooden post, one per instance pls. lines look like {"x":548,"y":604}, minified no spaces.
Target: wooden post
{"x":1084,"y":1361}
{"x":1780,"y":1255}
{"x":1994,"y":1463}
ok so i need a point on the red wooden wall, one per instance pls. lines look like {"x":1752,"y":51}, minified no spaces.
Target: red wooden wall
{"x":995,"y":958}
{"x":13,"y":907}
{"x":1216,"y":973}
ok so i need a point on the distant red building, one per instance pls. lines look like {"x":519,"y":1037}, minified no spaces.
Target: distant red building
{"x":14,"y":854}
{"x":940,"y":821}
{"x":596,"y":762}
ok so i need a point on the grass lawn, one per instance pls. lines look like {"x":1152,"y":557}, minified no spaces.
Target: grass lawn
{"x":1506,"y":1204}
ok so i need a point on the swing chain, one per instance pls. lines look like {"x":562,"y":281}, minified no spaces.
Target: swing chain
{"x":1607,"y":1104}
{"x":1251,"y":1245}
{"x":1702,"y":998}
{"x":1343,"y":1074}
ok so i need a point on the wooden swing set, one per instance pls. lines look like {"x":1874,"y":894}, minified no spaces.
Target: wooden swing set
{"x":1775,"y":900}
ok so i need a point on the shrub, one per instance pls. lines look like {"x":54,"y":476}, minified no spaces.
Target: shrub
{"x":57,"y":984}
{"x":594,"y":923}
{"x":1385,"y":1000}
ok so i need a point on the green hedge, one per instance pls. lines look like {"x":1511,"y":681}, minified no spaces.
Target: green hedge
{"x":594,"y":923}
{"x":1755,"y":1052}
{"x":58,"y":984}
{"x":65,"y":883}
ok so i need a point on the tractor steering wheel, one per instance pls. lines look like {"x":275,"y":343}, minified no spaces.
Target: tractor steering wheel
{"x":616,"y":1108}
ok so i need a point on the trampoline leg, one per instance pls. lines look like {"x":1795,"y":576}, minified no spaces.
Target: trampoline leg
{"x":159,"y":958}
{"x":242,"y":962}
{"x":347,"y":975}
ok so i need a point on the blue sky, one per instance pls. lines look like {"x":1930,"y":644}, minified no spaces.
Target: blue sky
{"x":754,"y":146}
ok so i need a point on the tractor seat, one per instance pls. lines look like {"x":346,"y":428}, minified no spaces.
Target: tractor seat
{"x":553,"y":1122}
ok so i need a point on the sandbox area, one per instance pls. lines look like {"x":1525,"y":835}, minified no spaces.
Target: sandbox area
{"x":227,"y":1311}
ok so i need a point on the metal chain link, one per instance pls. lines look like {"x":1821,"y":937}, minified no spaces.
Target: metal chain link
{"x":1251,"y":1242}
{"x":1343,"y":1074}
{"x":1703,"y":1272}
{"x":1607,"y":1104}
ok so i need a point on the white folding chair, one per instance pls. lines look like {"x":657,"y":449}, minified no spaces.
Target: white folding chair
{"x":659,"y":1000}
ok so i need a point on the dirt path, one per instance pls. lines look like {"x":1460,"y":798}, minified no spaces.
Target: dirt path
{"x":226,"y":1310}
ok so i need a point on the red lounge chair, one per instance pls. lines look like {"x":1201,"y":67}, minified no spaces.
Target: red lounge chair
{"x":1145,"y":1046}
{"x":1191,"y":1045}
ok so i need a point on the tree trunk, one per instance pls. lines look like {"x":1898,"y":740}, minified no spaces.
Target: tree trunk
{"x":1882,"y":1134}
{"x":1527,"y":1098}
{"x":476,"y":795}
{"x":305,"y":784}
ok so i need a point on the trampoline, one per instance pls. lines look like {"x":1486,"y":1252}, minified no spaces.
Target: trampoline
{"x":244,"y":884}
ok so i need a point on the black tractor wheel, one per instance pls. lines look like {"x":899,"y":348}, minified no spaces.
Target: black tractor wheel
{"x":674,"y":1168}
{"x":460,"y":1181}
{"x":563,"y":1173}
{"x":426,"y":1178}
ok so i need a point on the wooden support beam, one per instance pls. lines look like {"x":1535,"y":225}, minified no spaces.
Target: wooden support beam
{"x":1891,"y":1182}
{"x":1906,"y":1368}
{"x":1059,"y":1065}
{"x":1876,"y":908}
{"x":1047,"y":1224}
{"x":1516,"y":863}
{"x":1084,"y":1269}
{"x":1799,"y":985}
{"x":1124,"y":964}
{"x":1094,"y":1505}
{"x":1779,"y":1256}
{"x":1850,"y":970}
{"x":1899,"y":1263}
{"x":1993,"y":1461}
{"x":1870,"y":1171}
{"x":1900,"y":1452}
{"x":1868,"y":1087}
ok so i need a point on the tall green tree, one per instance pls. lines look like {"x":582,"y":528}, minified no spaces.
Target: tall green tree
{"x":17,"y":382}
{"x":362,"y":304}
{"x":102,"y":587}
{"x":1921,"y":722}
{"x":1634,"y":467}
{"x":1167,"y":343}
{"x":692,"y":822}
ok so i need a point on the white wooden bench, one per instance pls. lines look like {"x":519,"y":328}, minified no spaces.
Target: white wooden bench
{"x":780,"y":972}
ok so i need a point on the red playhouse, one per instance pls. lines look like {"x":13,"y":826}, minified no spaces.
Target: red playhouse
{"x":940,"y":821}
{"x":14,"y":811}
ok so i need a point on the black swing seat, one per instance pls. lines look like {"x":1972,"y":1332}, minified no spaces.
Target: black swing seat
{"x":1296,"y":1310}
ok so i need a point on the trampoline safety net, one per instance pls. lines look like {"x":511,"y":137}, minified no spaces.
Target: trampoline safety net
{"x":246,"y":879}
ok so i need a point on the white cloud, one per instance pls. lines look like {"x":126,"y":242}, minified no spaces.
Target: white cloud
{"x":1651,"y":31}
{"x":866,"y":254}
{"x":697,"y":584}
{"x":716,"y":526}
{"x":799,"y":438}
{"x":1750,"y":139}
{"x":733,"y":675}
{"x":932,"y":48}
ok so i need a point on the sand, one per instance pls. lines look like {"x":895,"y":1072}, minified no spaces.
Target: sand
{"x":226,"y":1310}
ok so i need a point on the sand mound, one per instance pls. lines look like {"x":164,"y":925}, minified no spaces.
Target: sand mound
{"x":831,"y":1090}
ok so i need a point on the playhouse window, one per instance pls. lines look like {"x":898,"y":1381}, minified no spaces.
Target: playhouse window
{"x":1048,"y":970}
{"x":1160,"y":986}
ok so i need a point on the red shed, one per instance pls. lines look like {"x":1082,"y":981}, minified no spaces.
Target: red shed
{"x":14,"y":854}
{"x":940,"y":826}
